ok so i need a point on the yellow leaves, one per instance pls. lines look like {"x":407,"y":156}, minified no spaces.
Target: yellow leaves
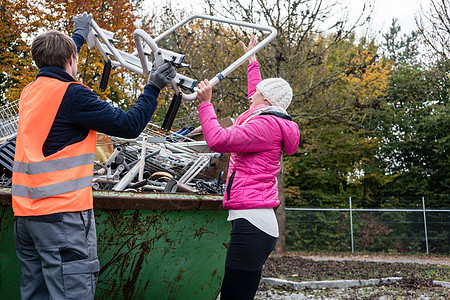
{"x":369,"y":78}
{"x":30,"y":18}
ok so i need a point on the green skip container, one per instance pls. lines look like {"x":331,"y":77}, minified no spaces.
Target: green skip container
{"x":150,"y":245}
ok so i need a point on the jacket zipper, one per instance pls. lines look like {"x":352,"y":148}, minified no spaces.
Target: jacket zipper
{"x":230,"y":182}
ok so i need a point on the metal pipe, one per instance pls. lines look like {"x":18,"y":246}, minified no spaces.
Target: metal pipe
{"x":153,"y":187}
{"x":140,"y":64}
{"x":220,"y":76}
{"x":132,"y":164}
{"x":104,"y":180}
{"x":196,"y":168}
{"x":369,"y":209}
{"x":123,"y":183}
{"x":113,"y":156}
{"x":425,"y":223}
{"x":351,"y":223}
{"x":119,"y":170}
{"x":143,"y":152}
{"x":119,"y":55}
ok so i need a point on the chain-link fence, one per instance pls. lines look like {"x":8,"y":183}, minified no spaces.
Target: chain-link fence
{"x":413,"y":229}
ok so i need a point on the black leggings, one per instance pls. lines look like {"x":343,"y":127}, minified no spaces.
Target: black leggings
{"x":247,"y":252}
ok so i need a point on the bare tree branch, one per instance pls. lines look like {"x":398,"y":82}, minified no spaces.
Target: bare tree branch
{"x":434,"y":27}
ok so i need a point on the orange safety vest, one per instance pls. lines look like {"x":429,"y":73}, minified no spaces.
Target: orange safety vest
{"x":61,"y":182}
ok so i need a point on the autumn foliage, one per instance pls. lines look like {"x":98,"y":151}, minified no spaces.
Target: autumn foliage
{"x":373,"y":123}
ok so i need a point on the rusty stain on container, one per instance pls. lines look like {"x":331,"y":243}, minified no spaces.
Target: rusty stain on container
{"x":150,"y":245}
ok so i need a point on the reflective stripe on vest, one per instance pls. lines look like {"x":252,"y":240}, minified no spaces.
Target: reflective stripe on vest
{"x":60,"y":182}
{"x":53,"y":165}
{"x":51,"y":190}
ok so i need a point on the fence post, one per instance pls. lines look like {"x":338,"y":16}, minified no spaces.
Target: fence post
{"x":351,"y":223}
{"x":425,"y":223}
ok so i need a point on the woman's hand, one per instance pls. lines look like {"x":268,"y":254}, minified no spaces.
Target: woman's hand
{"x":250,"y":46}
{"x":205,"y":92}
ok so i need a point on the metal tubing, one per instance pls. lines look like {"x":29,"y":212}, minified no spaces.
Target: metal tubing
{"x":137,"y":35}
{"x":132,"y":164}
{"x":237,"y":63}
{"x":153,"y":187}
{"x":131,"y":61}
{"x":138,"y":184}
{"x":105,"y":75}
{"x":114,"y":52}
{"x":196,"y":168}
{"x":113,"y":156}
{"x":143,"y":152}
{"x":95,"y":186}
{"x":104,"y":180}
{"x":425,"y":223}
{"x":123,"y":183}
{"x":119,"y":170}
{"x":351,"y":222}
{"x":171,"y":112}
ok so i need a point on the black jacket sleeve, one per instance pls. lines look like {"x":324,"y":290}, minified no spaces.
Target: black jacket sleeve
{"x":83,"y":108}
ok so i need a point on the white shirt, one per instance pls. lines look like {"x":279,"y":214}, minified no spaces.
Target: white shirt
{"x":262,"y":218}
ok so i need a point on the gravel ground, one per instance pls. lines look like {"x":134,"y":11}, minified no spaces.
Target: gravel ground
{"x":417,"y":280}
{"x":380,"y":293}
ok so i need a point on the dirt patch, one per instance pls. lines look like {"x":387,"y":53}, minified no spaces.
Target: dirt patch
{"x":417,"y":277}
{"x":302,"y":269}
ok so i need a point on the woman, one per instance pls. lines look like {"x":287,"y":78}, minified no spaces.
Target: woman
{"x":256,"y":142}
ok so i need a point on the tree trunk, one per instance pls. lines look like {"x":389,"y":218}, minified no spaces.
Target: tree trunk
{"x":281,"y":213}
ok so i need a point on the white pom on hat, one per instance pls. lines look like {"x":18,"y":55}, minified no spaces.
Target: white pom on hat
{"x":277,"y":91}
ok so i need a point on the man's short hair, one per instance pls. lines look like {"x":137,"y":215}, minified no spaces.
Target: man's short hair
{"x":53,"y":48}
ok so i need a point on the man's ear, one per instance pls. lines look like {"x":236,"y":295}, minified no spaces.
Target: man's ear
{"x":71,"y":61}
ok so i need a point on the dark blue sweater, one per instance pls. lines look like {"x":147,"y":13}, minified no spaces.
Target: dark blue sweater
{"x":81,"y":110}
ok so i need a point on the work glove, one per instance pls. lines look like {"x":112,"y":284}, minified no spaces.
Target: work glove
{"x":81,"y":24}
{"x":162,"y":75}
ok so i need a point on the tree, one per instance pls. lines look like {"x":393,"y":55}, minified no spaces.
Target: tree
{"x":33,"y":17}
{"x":434,"y":27}
{"x":337,"y":148}
{"x":18,"y":19}
{"x":414,"y":151}
{"x":400,"y":49}
{"x":117,"y":16}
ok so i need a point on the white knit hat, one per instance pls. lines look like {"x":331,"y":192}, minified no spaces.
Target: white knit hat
{"x":277,"y":91}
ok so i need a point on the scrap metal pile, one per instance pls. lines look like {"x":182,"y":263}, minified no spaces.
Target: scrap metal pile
{"x":156,"y":161}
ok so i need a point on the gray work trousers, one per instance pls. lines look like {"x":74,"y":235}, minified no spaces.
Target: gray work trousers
{"x":58,"y":255}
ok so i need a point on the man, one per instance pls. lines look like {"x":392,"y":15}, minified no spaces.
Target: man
{"x":54,"y":228}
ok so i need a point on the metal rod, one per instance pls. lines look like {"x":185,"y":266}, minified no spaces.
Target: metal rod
{"x":104,"y":180}
{"x":123,"y":183}
{"x":171,"y":112}
{"x":140,"y":64}
{"x":425,"y":223}
{"x":237,"y":63}
{"x":368,"y":209}
{"x":113,"y":156}
{"x":153,"y":187}
{"x":351,"y":223}
{"x":119,"y":55}
{"x":143,"y":152}
{"x":196,"y":168}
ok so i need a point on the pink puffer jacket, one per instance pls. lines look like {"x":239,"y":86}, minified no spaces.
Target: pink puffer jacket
{"x":256,"y":149}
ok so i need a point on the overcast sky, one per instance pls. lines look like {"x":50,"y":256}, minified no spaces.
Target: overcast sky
{"x":384,"y":11}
